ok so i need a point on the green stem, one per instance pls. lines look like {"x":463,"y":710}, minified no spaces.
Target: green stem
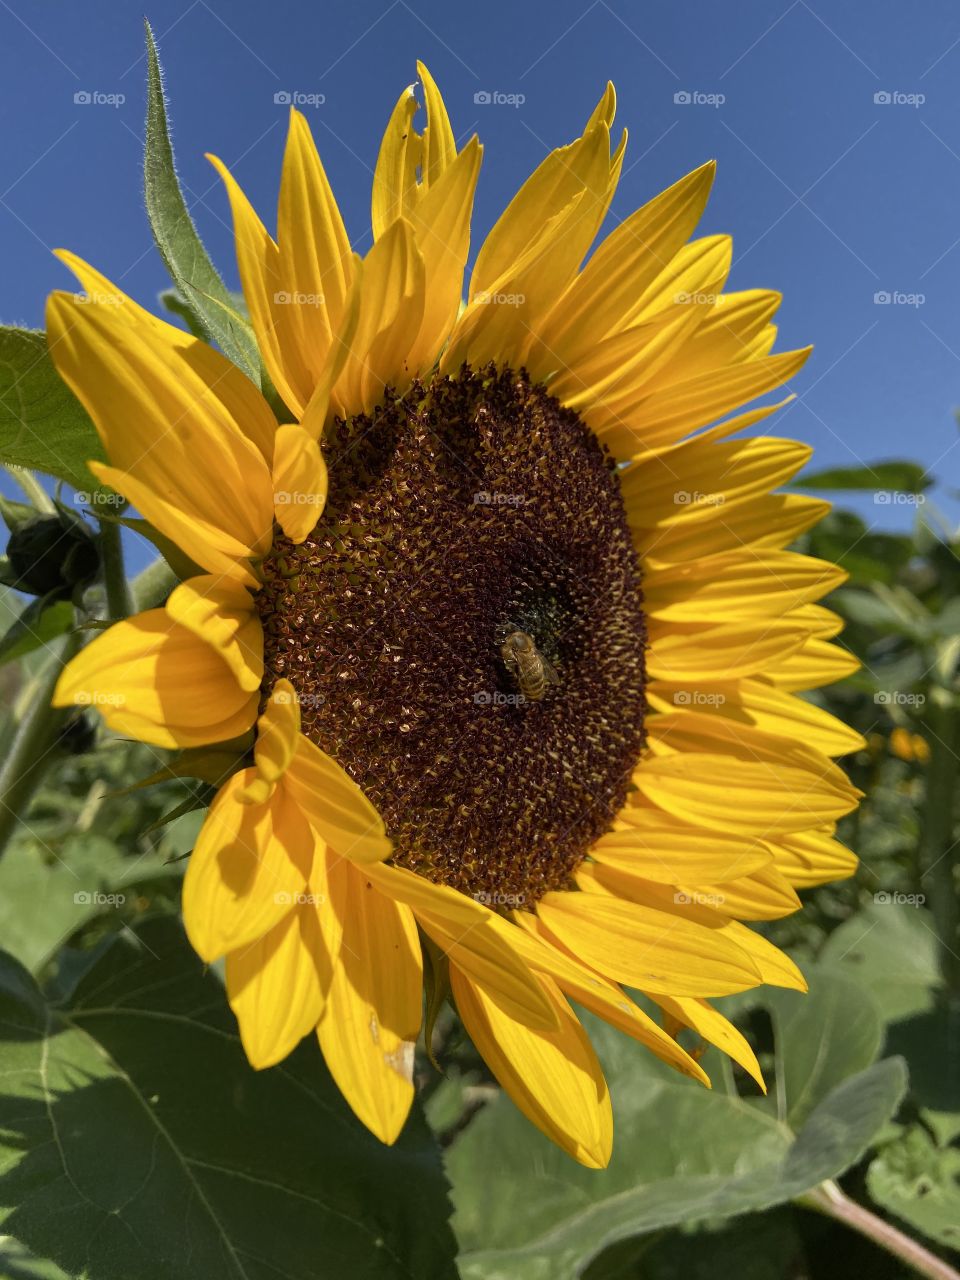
{"x":830,"y":1200}
{"x":31,"y":752}
{"x":153,"y":584}
{"x":119,"y":600}
{"x":34,"y":490}
{"x":937,"y":846}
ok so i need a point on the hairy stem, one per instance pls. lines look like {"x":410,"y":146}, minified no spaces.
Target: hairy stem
{"x":32,"y":750}
{"x":830,"y":1200}
{"x":119,"y":599}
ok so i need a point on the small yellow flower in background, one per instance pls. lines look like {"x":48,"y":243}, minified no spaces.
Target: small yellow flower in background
{"x":911,"y":747}
{"x":492,"y":689}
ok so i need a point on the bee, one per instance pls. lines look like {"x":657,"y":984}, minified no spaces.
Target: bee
{"x":526,"y":664}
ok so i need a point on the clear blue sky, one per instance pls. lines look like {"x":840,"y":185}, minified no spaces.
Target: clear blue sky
{"x":830,"y":196}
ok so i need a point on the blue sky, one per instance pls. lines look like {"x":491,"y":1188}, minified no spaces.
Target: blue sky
{"x":831,"y":196}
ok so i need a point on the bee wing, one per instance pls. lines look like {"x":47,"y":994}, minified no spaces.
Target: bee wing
{"x":549,"y":673}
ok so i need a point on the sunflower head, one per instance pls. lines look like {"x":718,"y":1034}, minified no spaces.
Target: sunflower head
{"x":497,"y":634}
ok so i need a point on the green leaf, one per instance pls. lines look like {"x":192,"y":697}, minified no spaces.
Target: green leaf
{"x":205,"y":295}
{"x":39,"y":624}
{"x":917,"y":1180}
{"x":682,"y":1154}
{"x":822,"y":1037}
{"x":890,"y":949}
{"x":896,"y":475}
{"x":43,"y":425}
{"x":46,"y":896}
{"x":138,"y":1143}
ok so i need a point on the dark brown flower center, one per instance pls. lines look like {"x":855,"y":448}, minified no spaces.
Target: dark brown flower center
{"x":464,"y":628}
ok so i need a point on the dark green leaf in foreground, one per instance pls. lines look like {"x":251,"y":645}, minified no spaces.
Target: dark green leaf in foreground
{"x":204,"y":293}
{"x":681,"y":1154}
{"x":43,"y":425}
{"x":896,"y":475}
{"x":139,"y":1145}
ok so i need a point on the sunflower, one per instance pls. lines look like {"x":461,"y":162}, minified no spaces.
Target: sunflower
{"x":493,"y":636}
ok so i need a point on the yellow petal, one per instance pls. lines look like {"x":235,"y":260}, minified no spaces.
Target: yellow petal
{"x":474,"y":938}
{"x":814,"y":664}
{"x":669,"y":487}
{"x":268,"y":301}
{"x":171,"y":412}
{"x":812,"y":857}
{"x":372,"y":1013}
{"x":315,"y":258}
{"x":300,"y":482}
{"x":646,"y":947}
{"x":275,"y":989}
{"x":714,"y":1028}
{"x":602,"y":295}
{"x":738,"y":585}
{"x":247,"y":872}
{"x":278,"y":737}
{"x":744,"y":797}
{"x":391,"y":311}
{"x":714,"y":526}
{"x":722,"y":652}
{"x":605,"y":999}
{"x":210,"y":546}
{"x":155,"y":680}
{"x":653,"y":846}
{"x":552,"y":1076}
{"x":222,"y":614}
{"x":666,"y":415}
{"x":335,"y":806}
{"x":763,"y":895}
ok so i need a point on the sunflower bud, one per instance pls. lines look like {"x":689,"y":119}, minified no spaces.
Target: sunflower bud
{"x":51,"y":555}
